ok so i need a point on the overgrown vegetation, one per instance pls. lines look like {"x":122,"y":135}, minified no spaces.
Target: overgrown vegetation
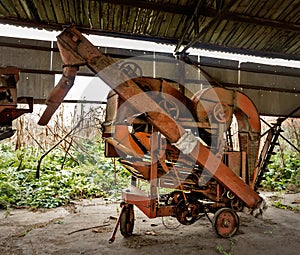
{"x":284,"y":169}
{"x":84,"y":175}
{"x":77,"y":168}
{"x":283,"y":173}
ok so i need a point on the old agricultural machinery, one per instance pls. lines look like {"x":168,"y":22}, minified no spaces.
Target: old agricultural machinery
{"x":9,"y":77}
{"x":171,"y":141}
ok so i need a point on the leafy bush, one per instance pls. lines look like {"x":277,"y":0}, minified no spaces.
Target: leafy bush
{"x":283,"y":173}
{"x":85,"y":175}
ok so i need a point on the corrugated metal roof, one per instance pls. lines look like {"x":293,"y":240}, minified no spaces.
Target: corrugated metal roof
{"x":256,"y":27}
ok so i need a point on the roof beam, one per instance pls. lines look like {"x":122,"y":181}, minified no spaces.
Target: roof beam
{"x":155,"y":6}
{"x":253,"y":20}
{"x":189,"y":23}
{"x":264,"y":22}
{"x":100,"y":32}
{"x":225,"y":14}
{"x":220,"y":15}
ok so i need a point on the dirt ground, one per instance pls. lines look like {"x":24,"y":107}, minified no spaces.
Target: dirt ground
{"x":86,"y":226}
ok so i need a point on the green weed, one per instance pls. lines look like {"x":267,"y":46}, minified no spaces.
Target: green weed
{"x":86,"y":175}
{"x":223,"y":251}
{"x":282,"y":176}
{"x":280,"y":205}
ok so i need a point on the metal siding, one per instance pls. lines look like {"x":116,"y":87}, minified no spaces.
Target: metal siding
{"x":272,"y":103}
{"x":277,"y":77}
{"x":37,"y":86}
{"x":25,"y":58}
{"x":258,"y":80}
{"x":221,"y":70}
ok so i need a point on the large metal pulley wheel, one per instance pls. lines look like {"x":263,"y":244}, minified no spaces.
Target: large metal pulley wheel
{"x":226,"y":222}
{"x":127,"y":220}
{"x":170,"y":107}
{"x":188,"y":211}
{"x":222,"y":112}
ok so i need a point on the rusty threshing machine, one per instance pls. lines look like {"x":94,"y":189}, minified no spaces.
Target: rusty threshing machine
{"x":171,"y":141}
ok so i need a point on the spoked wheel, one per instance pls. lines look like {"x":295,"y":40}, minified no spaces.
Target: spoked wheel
{"x":127,"y":220}
{"x":226,"y":222}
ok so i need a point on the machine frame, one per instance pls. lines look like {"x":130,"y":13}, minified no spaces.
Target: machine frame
{"x":228,"y":190}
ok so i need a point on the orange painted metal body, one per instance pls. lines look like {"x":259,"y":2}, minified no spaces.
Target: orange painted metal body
{"x":148,"y":136}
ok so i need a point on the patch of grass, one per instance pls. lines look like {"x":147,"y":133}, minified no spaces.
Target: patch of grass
{"x":224,"y":251}
{"x":280,"y":205}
